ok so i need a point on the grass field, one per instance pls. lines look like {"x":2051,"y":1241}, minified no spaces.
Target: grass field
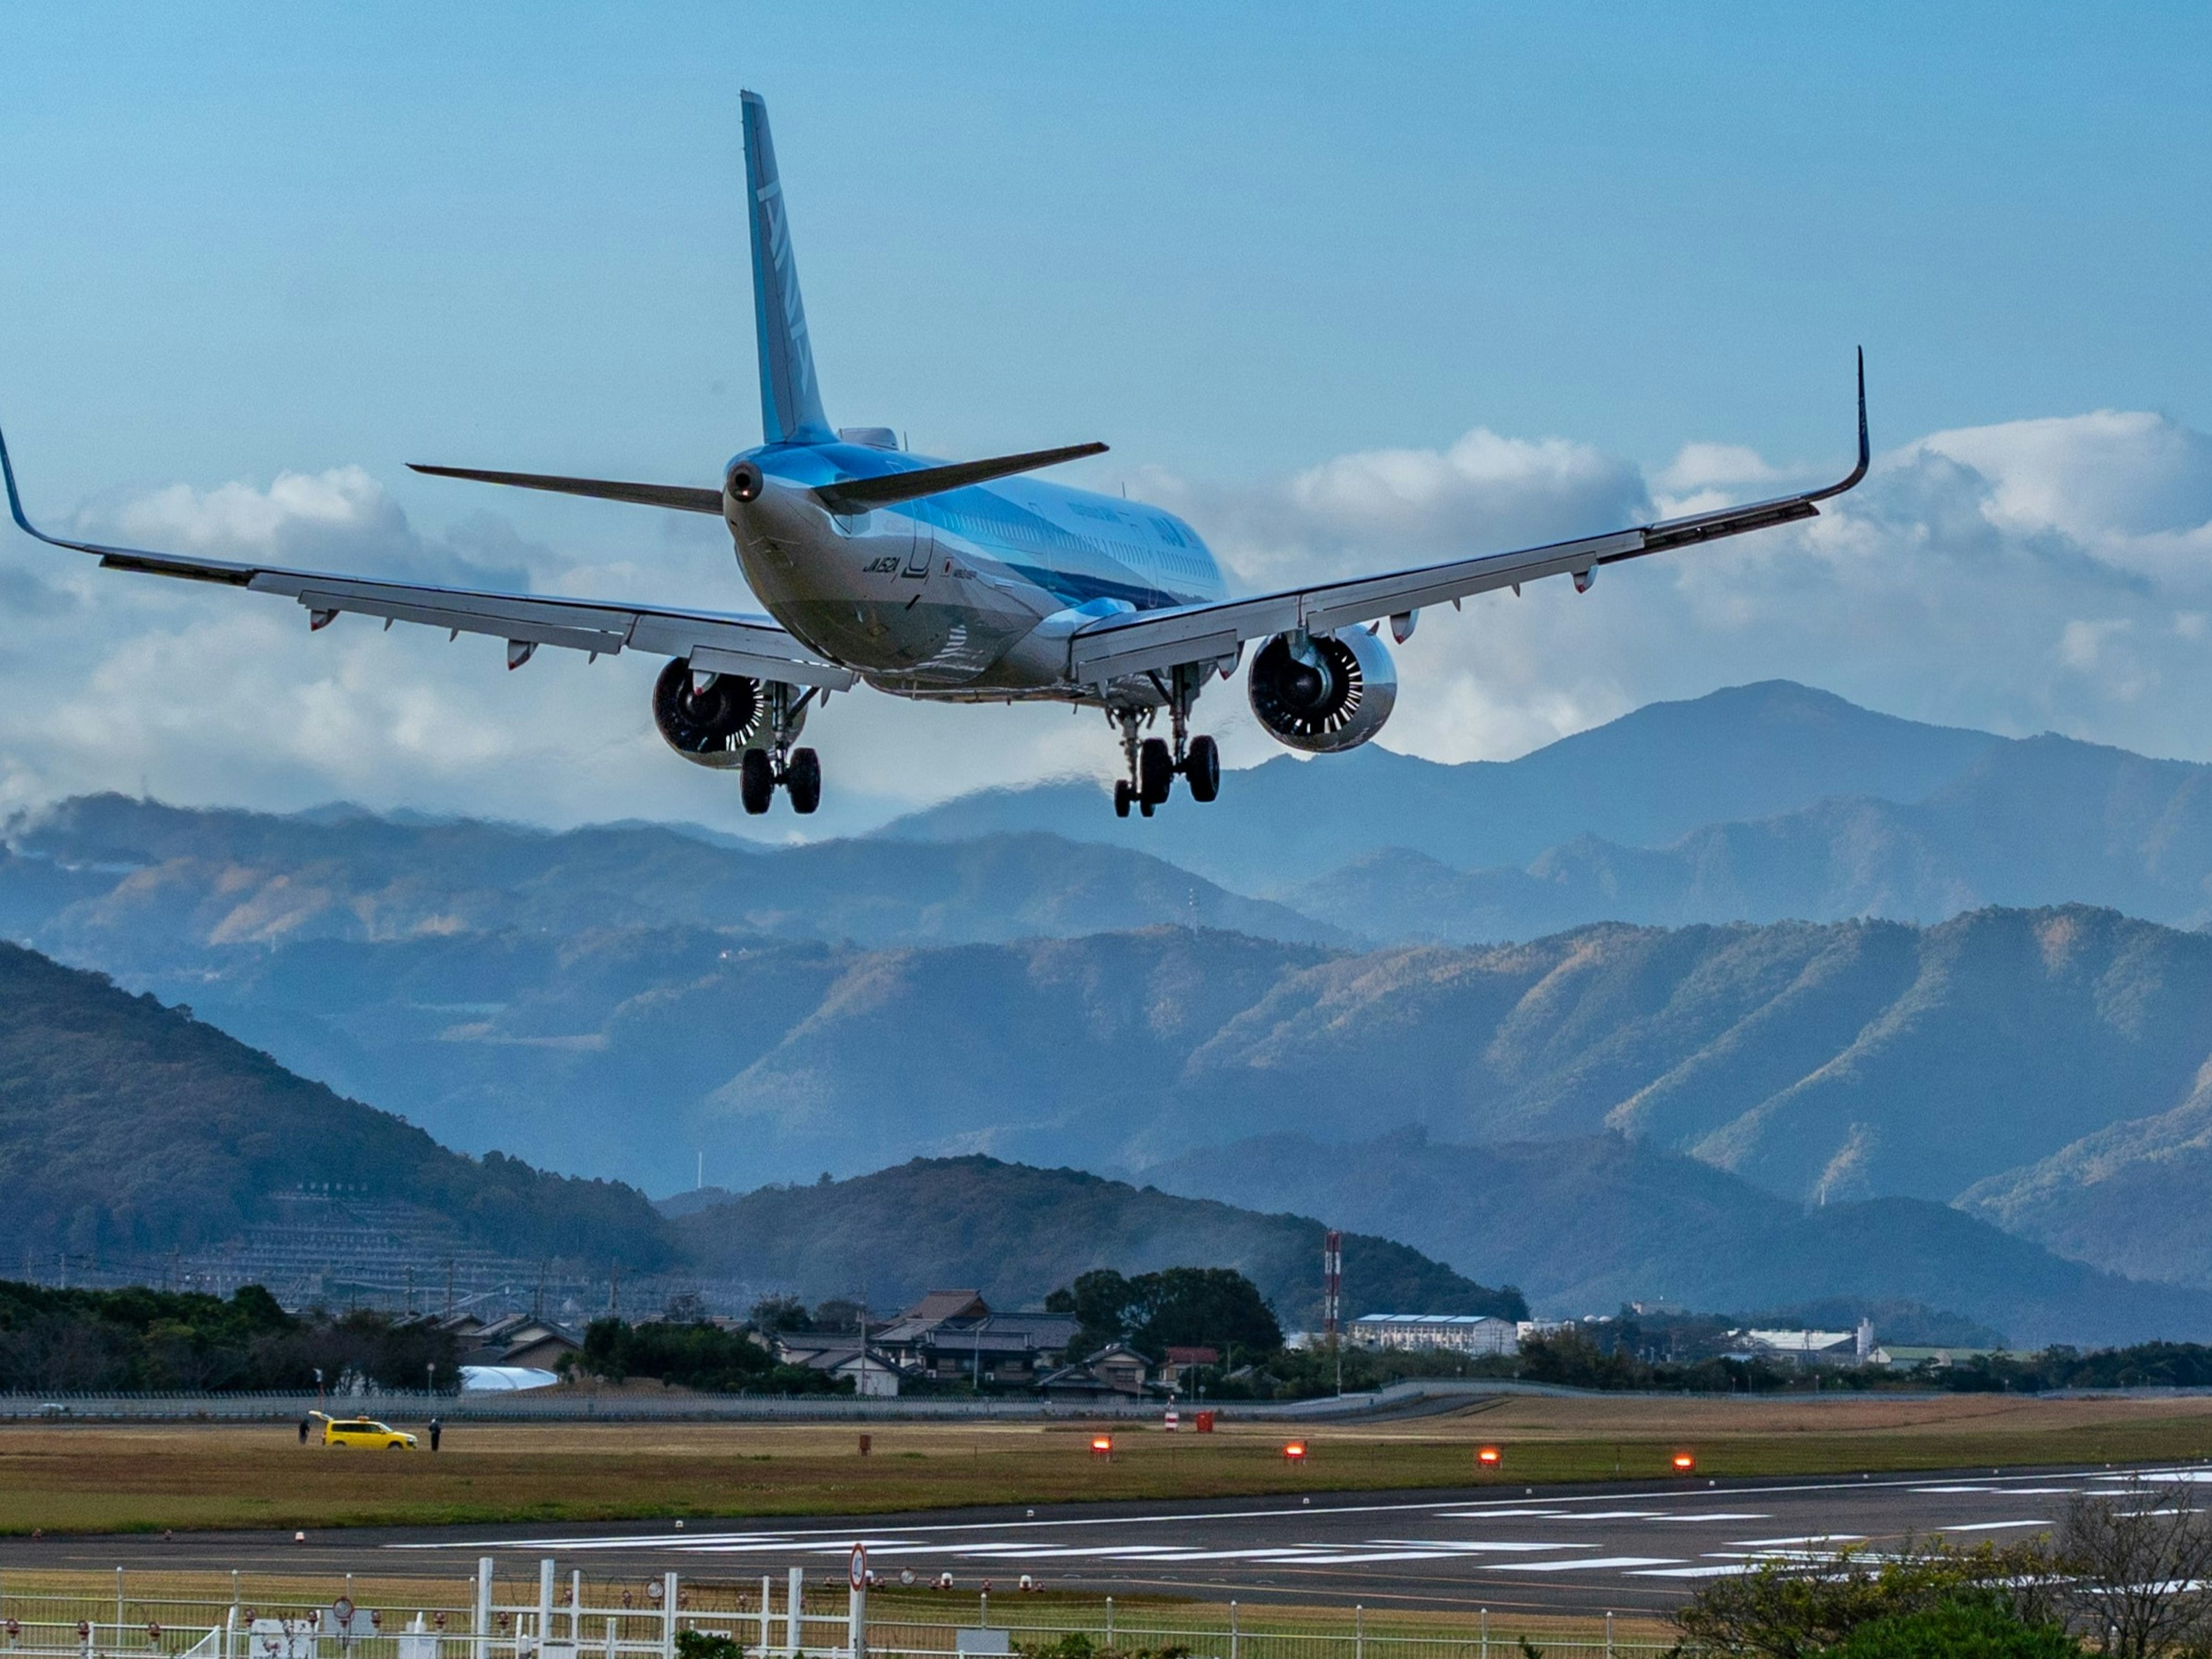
{"x":126,"y":1477}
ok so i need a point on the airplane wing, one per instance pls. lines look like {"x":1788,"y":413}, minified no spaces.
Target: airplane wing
{"x":1136,"y":642}
{"x":714,"y":642}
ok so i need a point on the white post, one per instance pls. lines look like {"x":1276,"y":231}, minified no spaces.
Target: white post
{"x":856,"y":1622}
{"x":610,"y":1636}
{"x":1358,"y":1631}
{"x":791,"y":1631}
{"x":1110,"y":1621}
{"x":1485,"y":1633}
{"x":544,"y":1606}
{"x":480,"y":1647}
{"x":576,"y":1606}
{"x":230,"y":1628}
{"x":1233,"y":1630}
{"x":1608,"y":1627}
{"x":768,"y":1601}
{"x":668,"y":1616}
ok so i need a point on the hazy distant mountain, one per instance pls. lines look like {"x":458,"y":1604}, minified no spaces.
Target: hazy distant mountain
{"x":115,"y":882}
{"x":1017,"y":1233}
{"x":1588,"y":1224}
{"x":1645,"y":779}
{"x":127,"y":1128}
{"x":2028,"y":823}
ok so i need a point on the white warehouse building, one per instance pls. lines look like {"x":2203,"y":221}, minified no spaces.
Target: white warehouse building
{"x":1460,"y":1333}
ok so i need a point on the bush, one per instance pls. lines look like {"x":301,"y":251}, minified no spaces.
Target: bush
{"x":1966,"y":1627}
{"x":1795,"y":1610}
{"x":706,"y":1644}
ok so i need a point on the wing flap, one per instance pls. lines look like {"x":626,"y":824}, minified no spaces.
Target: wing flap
{"x":1135,"y":642}
{"x":754,"y":645}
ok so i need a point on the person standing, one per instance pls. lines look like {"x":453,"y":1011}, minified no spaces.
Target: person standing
{"x":303,"y":1431}
{"x":436,"y":1430}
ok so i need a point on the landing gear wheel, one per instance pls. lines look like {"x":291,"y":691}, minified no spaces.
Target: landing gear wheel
{"x":756,"y":781}
{"x":1155,"y":773}
{"x":1122,"y":796}
{"x":1201,"y":769}
{"x":802,"y":780}
{"x":1145,"y":807}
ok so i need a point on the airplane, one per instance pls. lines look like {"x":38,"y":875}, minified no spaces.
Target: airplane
{"x":957,"y":581}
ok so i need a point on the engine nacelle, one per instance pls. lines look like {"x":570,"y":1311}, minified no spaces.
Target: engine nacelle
{"x":1336,"y":701}
{"x":708,"y":727}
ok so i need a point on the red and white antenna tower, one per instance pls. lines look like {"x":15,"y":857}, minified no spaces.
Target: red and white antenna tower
{"x":1331,"y":1283}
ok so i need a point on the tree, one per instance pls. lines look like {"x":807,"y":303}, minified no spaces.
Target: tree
{"x":2138,"y":1570}
{"x":774,"y":1313}
{"x":1176,"y":1307}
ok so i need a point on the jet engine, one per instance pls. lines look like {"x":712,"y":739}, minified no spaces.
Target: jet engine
{"x":1334,"y":694}
{"x":708,"y":727}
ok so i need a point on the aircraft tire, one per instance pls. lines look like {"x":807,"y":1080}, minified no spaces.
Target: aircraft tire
{"x":1155,"y":772}
{"x":755,"y":781}
{"x":1201,"y":769}
{"x":802,"y":780}
{"x":1122,"y":796}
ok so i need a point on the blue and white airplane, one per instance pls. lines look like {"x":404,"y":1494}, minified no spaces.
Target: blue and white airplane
{"x":965,"y":581}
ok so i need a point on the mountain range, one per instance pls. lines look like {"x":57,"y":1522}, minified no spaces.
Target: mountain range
{"x":1597,"y":1221}
{"x":1757,"y":934}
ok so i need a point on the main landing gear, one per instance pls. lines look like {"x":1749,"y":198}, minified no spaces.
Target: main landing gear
{"x":1155,"y":765}
{"x":798,"y":770}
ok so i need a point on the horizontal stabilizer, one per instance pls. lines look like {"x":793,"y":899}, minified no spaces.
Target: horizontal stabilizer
{"x":684,"y":498}
{"x":859,"y":494}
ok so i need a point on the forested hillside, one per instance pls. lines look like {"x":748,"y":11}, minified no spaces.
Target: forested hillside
{"x":127,"y":1128}
{"x":1017,"y":1234}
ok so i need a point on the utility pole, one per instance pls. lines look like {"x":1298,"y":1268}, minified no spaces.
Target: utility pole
{"x":1332,"y":1298}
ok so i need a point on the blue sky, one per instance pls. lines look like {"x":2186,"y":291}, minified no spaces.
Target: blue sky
{"x":1239,"y":244}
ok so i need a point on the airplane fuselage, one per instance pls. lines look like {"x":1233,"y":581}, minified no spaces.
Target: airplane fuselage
{"x":966,"y":595}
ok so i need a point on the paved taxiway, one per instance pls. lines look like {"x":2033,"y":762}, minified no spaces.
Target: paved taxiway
{"x":1624,"y":1547}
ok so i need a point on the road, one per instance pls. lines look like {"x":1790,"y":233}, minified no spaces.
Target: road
{"x":1624,"y":1546}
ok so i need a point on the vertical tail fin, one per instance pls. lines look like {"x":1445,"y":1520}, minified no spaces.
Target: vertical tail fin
{"x":791,"y":401}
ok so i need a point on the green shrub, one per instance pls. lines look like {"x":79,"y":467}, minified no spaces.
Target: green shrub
{"x":1974,"y":1626}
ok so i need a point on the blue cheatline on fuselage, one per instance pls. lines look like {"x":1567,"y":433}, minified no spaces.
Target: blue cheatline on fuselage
{"x":1075,"y":544}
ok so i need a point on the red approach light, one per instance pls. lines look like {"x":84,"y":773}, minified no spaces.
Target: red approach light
{"x":1102,"y":1445}
{"x":1685,"y":1464}
{"x":1489,"y":1457}
{"x":1296,"y":1451}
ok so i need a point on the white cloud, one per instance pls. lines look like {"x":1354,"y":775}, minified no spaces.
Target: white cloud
{"x":2045,"y":574}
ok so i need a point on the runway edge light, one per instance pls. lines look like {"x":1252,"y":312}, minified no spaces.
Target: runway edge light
{"x":1489,"y":1456}
{"x":1294,"y":1451}
{"x":1102,"y":1445}
{"x":1686,"y":1463}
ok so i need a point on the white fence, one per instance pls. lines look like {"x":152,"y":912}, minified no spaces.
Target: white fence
{"x":773,"y":1617}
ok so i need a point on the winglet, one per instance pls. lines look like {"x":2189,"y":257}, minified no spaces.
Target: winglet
{"x":1866,"y":454}
{"x":15,"y":501}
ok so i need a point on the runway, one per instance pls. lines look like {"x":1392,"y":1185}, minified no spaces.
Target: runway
{"x":1626,"y":1546}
